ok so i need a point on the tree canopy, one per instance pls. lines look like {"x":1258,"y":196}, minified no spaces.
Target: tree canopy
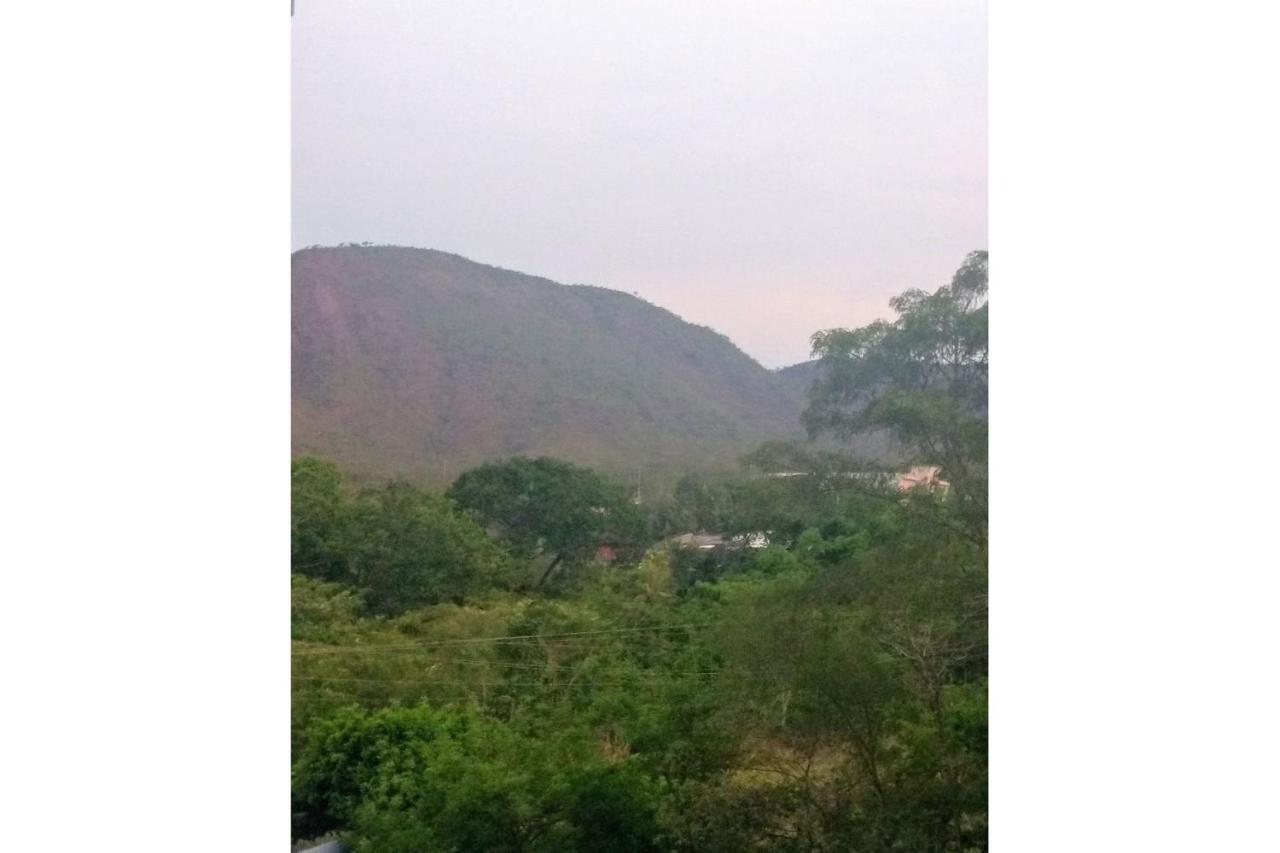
{"x":398,"y":544}
{"x":419,"y":779}
{"x":319,"y":519}
{"x":922,"y":378}
{"x":547,"y":507}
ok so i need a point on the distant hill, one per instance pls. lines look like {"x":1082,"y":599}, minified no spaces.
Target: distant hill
{"x":419,"y":363}
{"x":876,"y":448}
{"x":797,"y":378}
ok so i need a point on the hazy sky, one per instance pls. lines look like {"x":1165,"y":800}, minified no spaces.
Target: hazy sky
{"x":764,"y":168}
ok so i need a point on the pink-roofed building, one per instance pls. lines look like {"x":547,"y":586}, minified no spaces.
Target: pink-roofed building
{"x":922,"y":475}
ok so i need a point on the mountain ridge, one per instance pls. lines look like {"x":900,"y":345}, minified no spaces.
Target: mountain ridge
{"x":418,"y":362}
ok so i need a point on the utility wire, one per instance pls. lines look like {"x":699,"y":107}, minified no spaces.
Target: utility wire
{"x":421,"y":644}
{"x":534,"y":666}
{"x":431,"y":683}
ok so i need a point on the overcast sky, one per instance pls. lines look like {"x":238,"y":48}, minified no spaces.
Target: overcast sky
{"x":764,"y":168}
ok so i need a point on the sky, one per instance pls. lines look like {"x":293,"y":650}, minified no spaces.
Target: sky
{"x":767,"y":169}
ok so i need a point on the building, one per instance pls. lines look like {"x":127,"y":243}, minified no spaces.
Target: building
{"x":916,"y":476}
{"x":926,"y":476}
{"x":714,"y":541}
{"x":701,"y":541}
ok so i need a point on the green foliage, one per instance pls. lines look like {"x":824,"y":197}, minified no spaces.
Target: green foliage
{"x":322,"y":612}
{"x":414,"y":549}
{"x":827,"y":692}
{"x":822,"y":706}
{"x":422,"y":779}
{"x":655,"y":573}
{"x":702,"y":503}
{"x":398,"y":544}
{"x":547,"y":507}
{"x":319,"y":531}
{"x":857,"y":663}
{"x":921,"y":378}
{"x":344,"y":756}
{"x":706,"y":817}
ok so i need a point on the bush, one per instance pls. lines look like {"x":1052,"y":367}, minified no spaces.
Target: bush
{"x":399,"y":545}
{"x":423,"y":779}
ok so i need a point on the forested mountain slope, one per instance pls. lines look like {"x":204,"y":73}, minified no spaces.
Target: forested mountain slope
{"x":797,"y":378}
{"x":419,"y":363}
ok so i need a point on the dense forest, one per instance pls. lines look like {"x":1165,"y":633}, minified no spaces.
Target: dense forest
{"x":787,"y":658}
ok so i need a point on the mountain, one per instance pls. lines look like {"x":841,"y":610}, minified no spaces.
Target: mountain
{"x":797,"y":379}
{"x":419,"y":363}
{"x":876,"y":448}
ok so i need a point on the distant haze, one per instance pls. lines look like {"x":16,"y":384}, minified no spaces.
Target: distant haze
{"x":767,"y":168}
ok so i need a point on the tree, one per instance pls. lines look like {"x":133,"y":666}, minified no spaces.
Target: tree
{"x":702,"y":503}
{"x":318,"y":529}
{"x":414,"y":548}
{"x":423,"y":779}
{"x":546,"y":507}
{"x":343,"y":755}
{"x":876,"y":744}
{"x":922,"y":378}
{"x":400,"y":545}
{"x":321,"y":610}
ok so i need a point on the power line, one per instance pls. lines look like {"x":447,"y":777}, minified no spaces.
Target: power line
{"x":541,"y":667}
{"x":521,"y":647}
{"x":421,"y":644}
{"x":432,"y":683}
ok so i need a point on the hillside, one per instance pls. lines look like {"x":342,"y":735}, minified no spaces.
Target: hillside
{"x":797,"y":378}
{"x":421,"y":363}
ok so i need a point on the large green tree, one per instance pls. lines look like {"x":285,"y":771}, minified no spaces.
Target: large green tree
{"x":399,"y":545}
{"x":921,"y":378}
{"x":546,"y":507}
{"x":414,"y":548}
{"x":319,"y":521}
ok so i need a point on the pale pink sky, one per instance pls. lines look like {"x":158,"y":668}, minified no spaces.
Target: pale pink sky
{"x":765,"y":168}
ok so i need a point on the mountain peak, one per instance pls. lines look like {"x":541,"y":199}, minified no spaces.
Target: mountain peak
{"x":421,"y":363}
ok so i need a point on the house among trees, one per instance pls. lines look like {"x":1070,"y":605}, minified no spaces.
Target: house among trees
{"x":701,"y":541}
{"x":923,"y":475}
{"x":613,"y":548}
{"x":714,"y":541}
{"x":928,"y":476}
